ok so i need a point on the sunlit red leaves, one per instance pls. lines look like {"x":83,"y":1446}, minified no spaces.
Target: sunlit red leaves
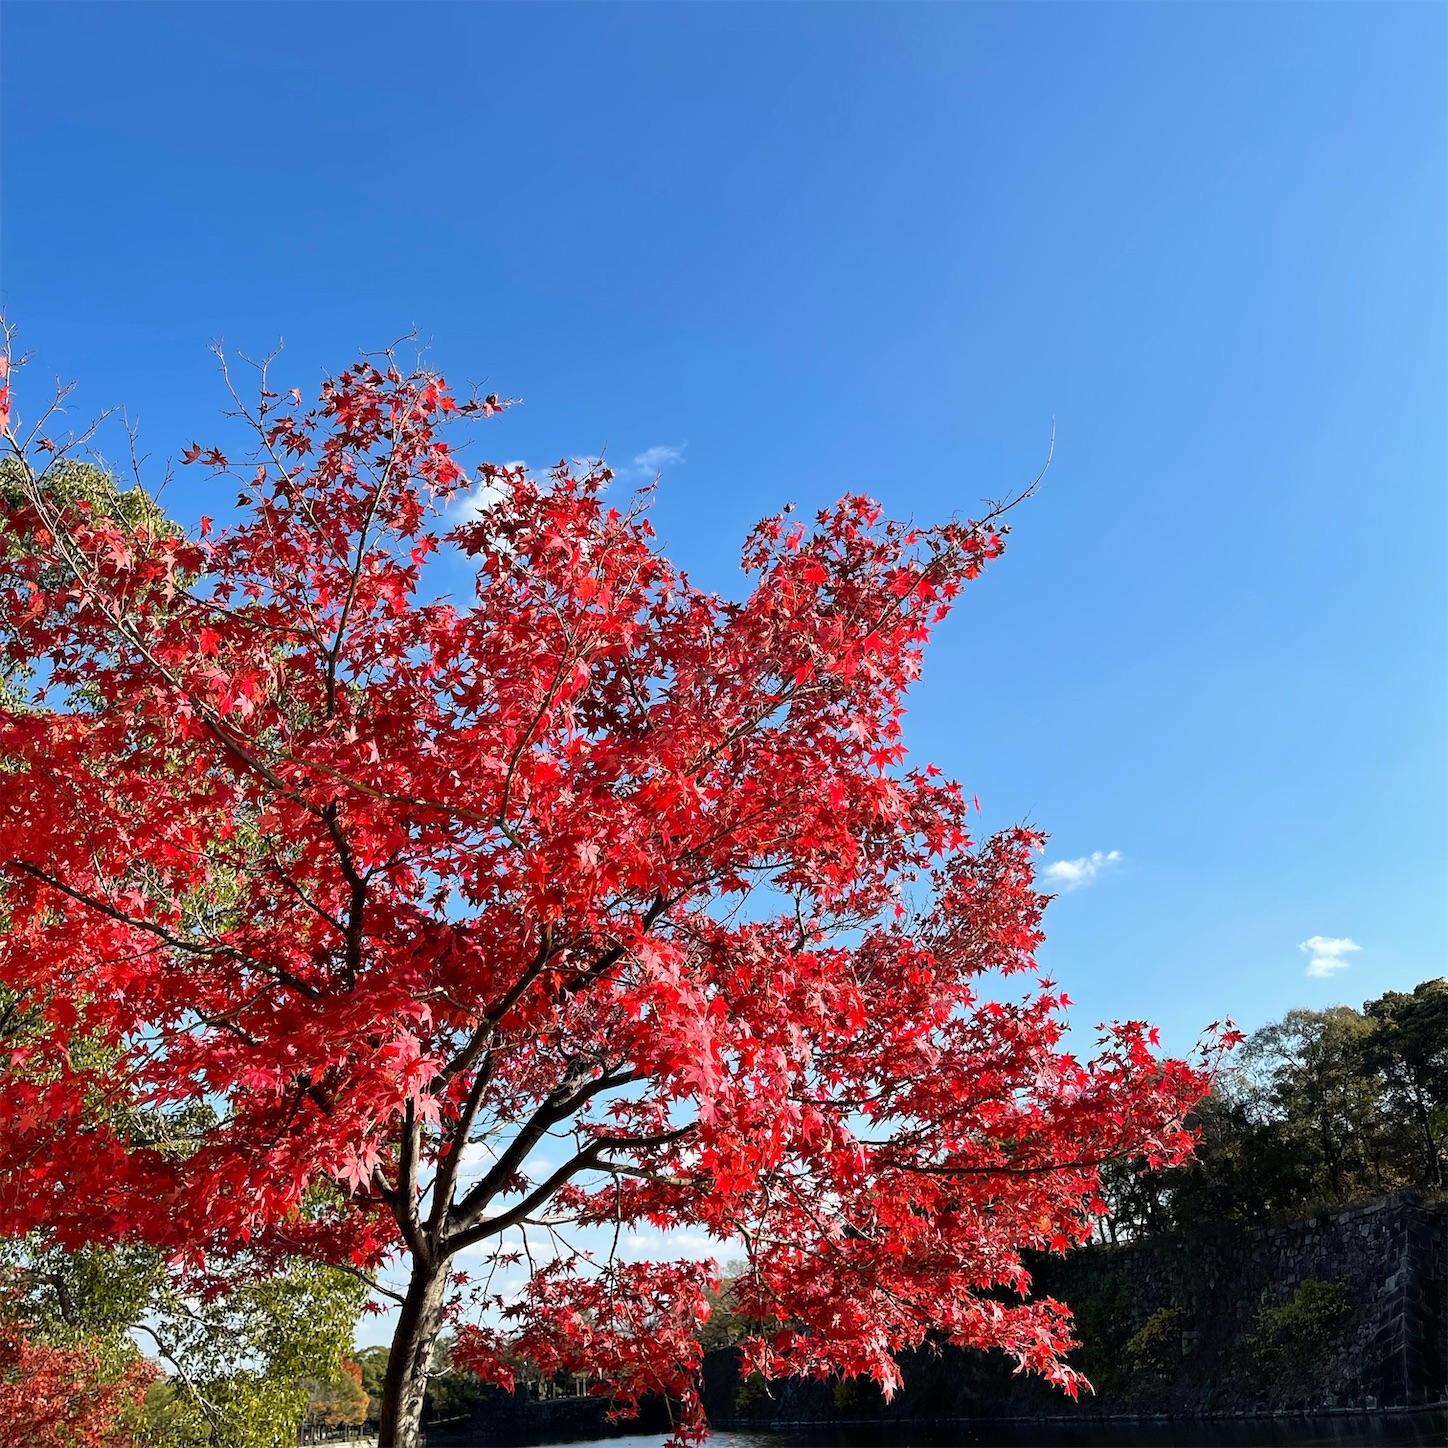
{"x":285,"y":833}
{"x":633,"y":1327}
{"x":64,"y":1397}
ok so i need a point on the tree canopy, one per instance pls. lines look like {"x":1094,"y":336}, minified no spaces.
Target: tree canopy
{"x":591,"y":902}
{"x":236,"y":1359}
{"x":1320,"y":1108}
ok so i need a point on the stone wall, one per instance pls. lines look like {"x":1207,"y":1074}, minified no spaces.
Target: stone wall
{"x":517,"y":1418}
{"x":1195,"y":1327}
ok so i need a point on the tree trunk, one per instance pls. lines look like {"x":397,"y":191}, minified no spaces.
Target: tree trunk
{"x":405,"y":1384}
{"x":1425,"y":1124}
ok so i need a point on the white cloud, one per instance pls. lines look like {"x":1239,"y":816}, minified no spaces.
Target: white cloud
{"x":476,"y":1153}
{"x":653,"y":458}
{"x":483,"y":497}
{"x":650,"y":1244}
{"x":465,"y":507}
{"x":1328,"y":954}
{"x":1072,"y":874}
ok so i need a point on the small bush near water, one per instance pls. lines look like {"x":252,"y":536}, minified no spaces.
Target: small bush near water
{"x":1156,"y":1349}
{"x":1302,"y":1334}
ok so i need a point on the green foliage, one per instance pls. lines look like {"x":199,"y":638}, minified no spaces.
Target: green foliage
{"x":1103,"y":1313}
{"x":1320,"y":1107}
{"x":65,"y":1295}
{"x":1155,"y":1350}
{"x":725,"y":1324}
{"x":1408,"y":1053}
{"x":857,"y":1397}
{"x":373,"y":1363}
{"x":69,"y":485}
{"x":239,"y":1363}
{"x":1315,"y":1067}
{"x":1292,"y":1340}
{"x":452,"y":1392}
{"x":753,"y":1395}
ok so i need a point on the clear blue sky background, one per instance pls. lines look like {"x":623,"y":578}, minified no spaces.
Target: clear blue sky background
{"x":815,"y":248}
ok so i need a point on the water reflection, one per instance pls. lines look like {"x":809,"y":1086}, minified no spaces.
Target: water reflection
{"x":1383,"y":1431}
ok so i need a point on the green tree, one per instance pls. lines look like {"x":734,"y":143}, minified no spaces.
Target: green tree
{"x":1320,"y":1087}
{"x":452,"y":1392}
{"x":1408,"y":1051}
{"x":239,"y":1355}
{"x":1301,"y":1117}
{"x":725,"y":1326}
{"x":1253,"y":1164}
{"x":339,"y":1401}
{"x":1329,"y":1104}
{"x":373,"y":1363}
{"x":71,"y":481}
{"x":241,"y":1364}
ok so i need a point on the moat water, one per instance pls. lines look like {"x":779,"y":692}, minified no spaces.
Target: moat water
{"x":1385,"y":1430}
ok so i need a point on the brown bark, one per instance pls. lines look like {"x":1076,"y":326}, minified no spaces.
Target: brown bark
{"x":410,"y":1360}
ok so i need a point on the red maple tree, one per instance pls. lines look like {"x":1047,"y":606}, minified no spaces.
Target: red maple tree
{"x":400,"y":896}
{"x":64,"y":1396}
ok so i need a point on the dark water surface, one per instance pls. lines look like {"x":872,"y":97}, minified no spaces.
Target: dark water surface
{"x":1387,"y":1430}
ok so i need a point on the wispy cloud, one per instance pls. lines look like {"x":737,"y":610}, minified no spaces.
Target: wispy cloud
{"x":649,"y":1244}
{"x":643,"y":468}
{"x":652,"y":459}
{"x":650,"y":462}
{"x":1329,"y":954}
{"x":1073,"y":874}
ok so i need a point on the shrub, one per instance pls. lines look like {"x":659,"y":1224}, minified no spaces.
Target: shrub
{"x":1303,"y":1333}
{"x":1155,"y":1349}
{"x":857,"y":1397}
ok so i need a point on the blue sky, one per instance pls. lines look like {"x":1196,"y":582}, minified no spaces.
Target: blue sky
{"x":805,"y":249}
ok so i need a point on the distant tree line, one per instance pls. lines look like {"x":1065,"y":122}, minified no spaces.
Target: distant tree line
{"x":1320,"y":1108}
